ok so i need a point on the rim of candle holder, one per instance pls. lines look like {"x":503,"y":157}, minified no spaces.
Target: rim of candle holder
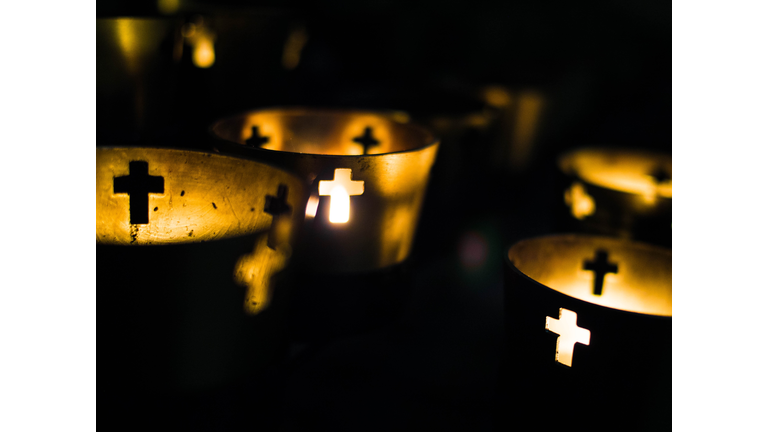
{"x":392,"y":116}
{"x":384,"y":189}
{"x":568,"y":163}
{"x":596,"y":244}
{"x":261,"y":225}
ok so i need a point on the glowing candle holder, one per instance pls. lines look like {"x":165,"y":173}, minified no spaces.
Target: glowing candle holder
{"x":618,"y":192}
{"x":180,"y":236}
{"x":589,"y":333}
{"x":367,"y":174}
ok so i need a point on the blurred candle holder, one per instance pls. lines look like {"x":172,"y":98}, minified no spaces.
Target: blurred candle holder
{"x":181,"y":236}
{"x":617,"y":192}
{"x":367,"y":174}
{"x":588,"y":334}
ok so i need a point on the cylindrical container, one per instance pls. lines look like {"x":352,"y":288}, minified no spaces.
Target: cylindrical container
{"x":617,"y":192}
{"x":588,"y":334}
{"x":187,"y":244}
{"x":367,"y":174}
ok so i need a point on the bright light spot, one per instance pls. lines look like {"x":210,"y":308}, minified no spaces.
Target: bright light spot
{"x":312,"y":204}
{"x":581,"y":203}
{"x":339,"y":205}
{"x":569,"y":334}
{"x":203,"y":55}
{"x":340,"y":189}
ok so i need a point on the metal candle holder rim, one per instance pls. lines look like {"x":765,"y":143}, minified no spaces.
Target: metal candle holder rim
{"x":432,"y":139}
{"x":630,"y":244}
{"x":376,"y":228}
{"x":297,"y":186}
{"x":564,"y":163}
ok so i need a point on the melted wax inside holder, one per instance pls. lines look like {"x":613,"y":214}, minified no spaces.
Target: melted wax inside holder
{"x":367,"y":175}
{"x":187,"y":246}
{"x":618,"y":192}
{"x":589,"y":334}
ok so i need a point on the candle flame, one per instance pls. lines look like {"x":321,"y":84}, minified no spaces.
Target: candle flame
{"x":203,"y":55}
{"x":339,"y":205}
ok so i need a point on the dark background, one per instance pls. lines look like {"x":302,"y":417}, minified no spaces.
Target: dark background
{"x":603,"y":71}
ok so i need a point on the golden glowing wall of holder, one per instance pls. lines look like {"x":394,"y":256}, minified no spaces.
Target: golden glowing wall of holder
{"x":620,"y":192}
{"x":636,"y":277}
{"x":367,"y":174}
{"x":153,"y":197}
{"x":589,"y":331}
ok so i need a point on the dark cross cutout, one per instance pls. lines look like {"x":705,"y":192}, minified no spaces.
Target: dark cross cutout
{"x":366,"y":140}
{"x":601,"y":267}
{"x":138,"y":185}
{"x":276,"y":206}
{"x":256,"y":140}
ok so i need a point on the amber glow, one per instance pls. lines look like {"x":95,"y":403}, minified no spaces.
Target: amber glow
{"x":201,"y":38}
{"x":642,"y":284}
{"x":645,"y":174}
{"x":340,"y":189}
{"x":580,"y":202}
{"x":299,"y":130}
{"x":168,"y":7}
{"x":255,"y":271}
{"x":366,"y":227}
{"x":137,"y":38}
{"x":293,"y":46}
{"x":569,"y":334}
{"x":204,"y":196}
{"x":312,"y":204}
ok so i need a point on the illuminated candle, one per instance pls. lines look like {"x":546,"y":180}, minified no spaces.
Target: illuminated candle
{"x":367,"y":173}
{"x":618,"y":192}
{"x":185,"y":241}
{"x":589,"y":332}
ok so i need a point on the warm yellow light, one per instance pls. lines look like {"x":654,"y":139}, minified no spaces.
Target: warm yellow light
{"x":203,"y":55}
{"x":581,"y":203}
{"x":340,"y":189}
{"x":293,"y":46}
{"x":168,"y":7}
{"x":255,"y":271}
{"x":312,"y":204}
{"x":569,"y":334}
{"x":641,"y":281}
{"x":339,"y":205}
{"x":623,"y":170}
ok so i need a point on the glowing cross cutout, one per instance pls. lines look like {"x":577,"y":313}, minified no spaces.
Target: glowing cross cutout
{"x":340,"y":189}
{"x":568,"y":335}
{"x":601,"y":267}
{"x":138,"y":185}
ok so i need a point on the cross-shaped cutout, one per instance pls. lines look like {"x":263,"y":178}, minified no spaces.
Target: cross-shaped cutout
{"x":340,"y":189}
{"x":569,"y":334}
{"x":138,"y":184}
{"x":366,"y":140}
{"x":276,"y":206}
{"x":601,"y":267}
{"x":256,"y":140}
